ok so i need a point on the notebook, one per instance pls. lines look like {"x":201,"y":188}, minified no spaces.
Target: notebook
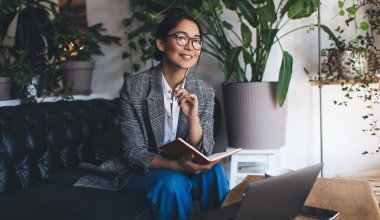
{"x":279,"y":198}
{"x":179,"y":147}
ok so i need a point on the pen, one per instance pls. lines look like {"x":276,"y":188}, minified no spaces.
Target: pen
{"x":182,"y":84}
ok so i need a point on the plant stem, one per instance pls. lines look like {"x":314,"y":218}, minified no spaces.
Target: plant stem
{"x":291,"y":32}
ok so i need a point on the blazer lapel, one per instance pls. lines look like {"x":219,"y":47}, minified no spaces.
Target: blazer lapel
{"x":156,"y":108}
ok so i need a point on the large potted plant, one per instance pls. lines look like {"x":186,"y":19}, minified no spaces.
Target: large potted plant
{"x":247,"y":51}
{"x":74,"y":44}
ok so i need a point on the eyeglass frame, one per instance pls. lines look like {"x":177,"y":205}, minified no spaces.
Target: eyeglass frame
{"x":189,"y":38}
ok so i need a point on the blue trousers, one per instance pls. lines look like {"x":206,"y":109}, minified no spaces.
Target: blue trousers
{"x":171,"y":193}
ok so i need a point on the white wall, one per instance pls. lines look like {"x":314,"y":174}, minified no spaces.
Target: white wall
{"x":109,"y":69}
{"x":343,"y":140}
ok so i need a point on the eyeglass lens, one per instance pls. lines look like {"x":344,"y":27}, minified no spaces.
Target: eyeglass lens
{"x":183,"y":39}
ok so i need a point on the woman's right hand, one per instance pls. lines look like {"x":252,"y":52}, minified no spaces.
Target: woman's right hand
{"x":186,"y":165}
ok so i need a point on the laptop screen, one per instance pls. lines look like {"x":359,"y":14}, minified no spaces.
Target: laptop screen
{"x":280,"y":197}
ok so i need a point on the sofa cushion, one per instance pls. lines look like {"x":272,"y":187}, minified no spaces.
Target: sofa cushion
{"x":56,"y":198}
{"x":107,"y":144}
{"x":37,"y":140}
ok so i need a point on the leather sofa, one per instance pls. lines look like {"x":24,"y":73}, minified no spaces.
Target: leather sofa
{"x":41,"y":146}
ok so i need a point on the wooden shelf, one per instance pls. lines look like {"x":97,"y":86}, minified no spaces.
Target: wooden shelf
{"x":337,"y":81}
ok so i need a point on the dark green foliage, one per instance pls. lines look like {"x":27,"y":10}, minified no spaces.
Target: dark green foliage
{"x":36,"y":51}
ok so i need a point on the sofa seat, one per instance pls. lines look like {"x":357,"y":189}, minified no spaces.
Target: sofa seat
{"x":56,"y":198}
{"x":41,"y":147}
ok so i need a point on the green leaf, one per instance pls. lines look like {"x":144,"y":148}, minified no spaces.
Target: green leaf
{"x":286,"y":7}
{"x":331,"y":35}
{"x":247,"y":57}
{"x":218,"y":9}
{"x":340,"y":4}
{"x":126,"y":55}
{"x":303,"y":8}
{"x":248,"y":12}
{"x":140,"y":16}
{"x":268,"y":36}
{"x":230,"y":4}
{"x":259,"y":1}
{"x":246,"y":35}
{"x":227,"y":25}
{"x":164,"y":3}
{"x":364,"y":26}
{"x":267,"y":13}
{"x":284,"y":77}
{"x":126,"y":22}
{"x":142,"y":42}
{"x":352,"y":10}
{"x":136,"y":67}
{"x":355,"y":42}
{"x":231,"y":62}
{"x":132,"y":45}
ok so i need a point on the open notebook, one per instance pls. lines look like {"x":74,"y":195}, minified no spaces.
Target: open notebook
{"x":179,"y":147}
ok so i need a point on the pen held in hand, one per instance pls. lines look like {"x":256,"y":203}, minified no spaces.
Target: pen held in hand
{"x":182,"y":84}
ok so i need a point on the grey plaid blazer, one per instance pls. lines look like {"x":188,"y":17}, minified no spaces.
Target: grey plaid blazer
{"x":142,"y":116}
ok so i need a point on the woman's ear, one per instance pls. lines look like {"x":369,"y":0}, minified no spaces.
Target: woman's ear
{"x":160,"y":44}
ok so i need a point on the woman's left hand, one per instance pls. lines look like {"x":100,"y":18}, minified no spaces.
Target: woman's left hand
{"x":188,"y":103}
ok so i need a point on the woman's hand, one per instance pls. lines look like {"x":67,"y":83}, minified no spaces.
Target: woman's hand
{"x":188,"y":103}
{"x":186,"y":165}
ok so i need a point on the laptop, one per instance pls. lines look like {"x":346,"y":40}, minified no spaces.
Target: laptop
{"x":275,"y":198}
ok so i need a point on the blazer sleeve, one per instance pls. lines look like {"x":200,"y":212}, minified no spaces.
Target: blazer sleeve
{"x":206,"y":113}
{"x":135,"y":144}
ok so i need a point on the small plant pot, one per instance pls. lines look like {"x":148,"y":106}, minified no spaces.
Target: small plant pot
{"x":5,"y":88}
{"x":78,"y":75}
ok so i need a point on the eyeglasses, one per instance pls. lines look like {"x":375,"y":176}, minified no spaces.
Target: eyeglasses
{"x":183,"y":39}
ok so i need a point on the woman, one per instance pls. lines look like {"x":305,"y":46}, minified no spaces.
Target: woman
{"x":164,"y":103}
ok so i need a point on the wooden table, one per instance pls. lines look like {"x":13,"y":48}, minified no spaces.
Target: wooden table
{"x":352,"y":198}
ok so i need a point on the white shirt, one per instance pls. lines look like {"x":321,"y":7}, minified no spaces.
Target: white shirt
{"x":171,"y":115}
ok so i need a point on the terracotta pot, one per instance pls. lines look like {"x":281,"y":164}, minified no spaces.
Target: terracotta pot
{"x":78,"y":74}
{"x":253,"y":116}
{"x":5,"y":88}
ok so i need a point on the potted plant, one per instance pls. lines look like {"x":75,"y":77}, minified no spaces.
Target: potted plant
{"x":248,"y":51}
{"x":5,"y":82}
{"x":356,"y":58}
{"x":29,"y":62}
{"x":75,"y":43}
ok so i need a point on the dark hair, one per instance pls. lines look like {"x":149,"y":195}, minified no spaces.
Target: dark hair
{"x":171,"y":20}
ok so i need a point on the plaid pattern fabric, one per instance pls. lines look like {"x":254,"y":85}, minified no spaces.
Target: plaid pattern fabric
{"x":142,"y":116}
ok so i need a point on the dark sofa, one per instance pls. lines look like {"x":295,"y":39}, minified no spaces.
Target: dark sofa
{"x":41,"y":146}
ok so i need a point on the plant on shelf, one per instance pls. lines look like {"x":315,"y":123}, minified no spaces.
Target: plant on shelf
{"x":355,"y":64}
{"x":73,"y":45}
{"x":24,"y":29}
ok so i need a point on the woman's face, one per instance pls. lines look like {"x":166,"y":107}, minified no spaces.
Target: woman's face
{"x":180,"y":56}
